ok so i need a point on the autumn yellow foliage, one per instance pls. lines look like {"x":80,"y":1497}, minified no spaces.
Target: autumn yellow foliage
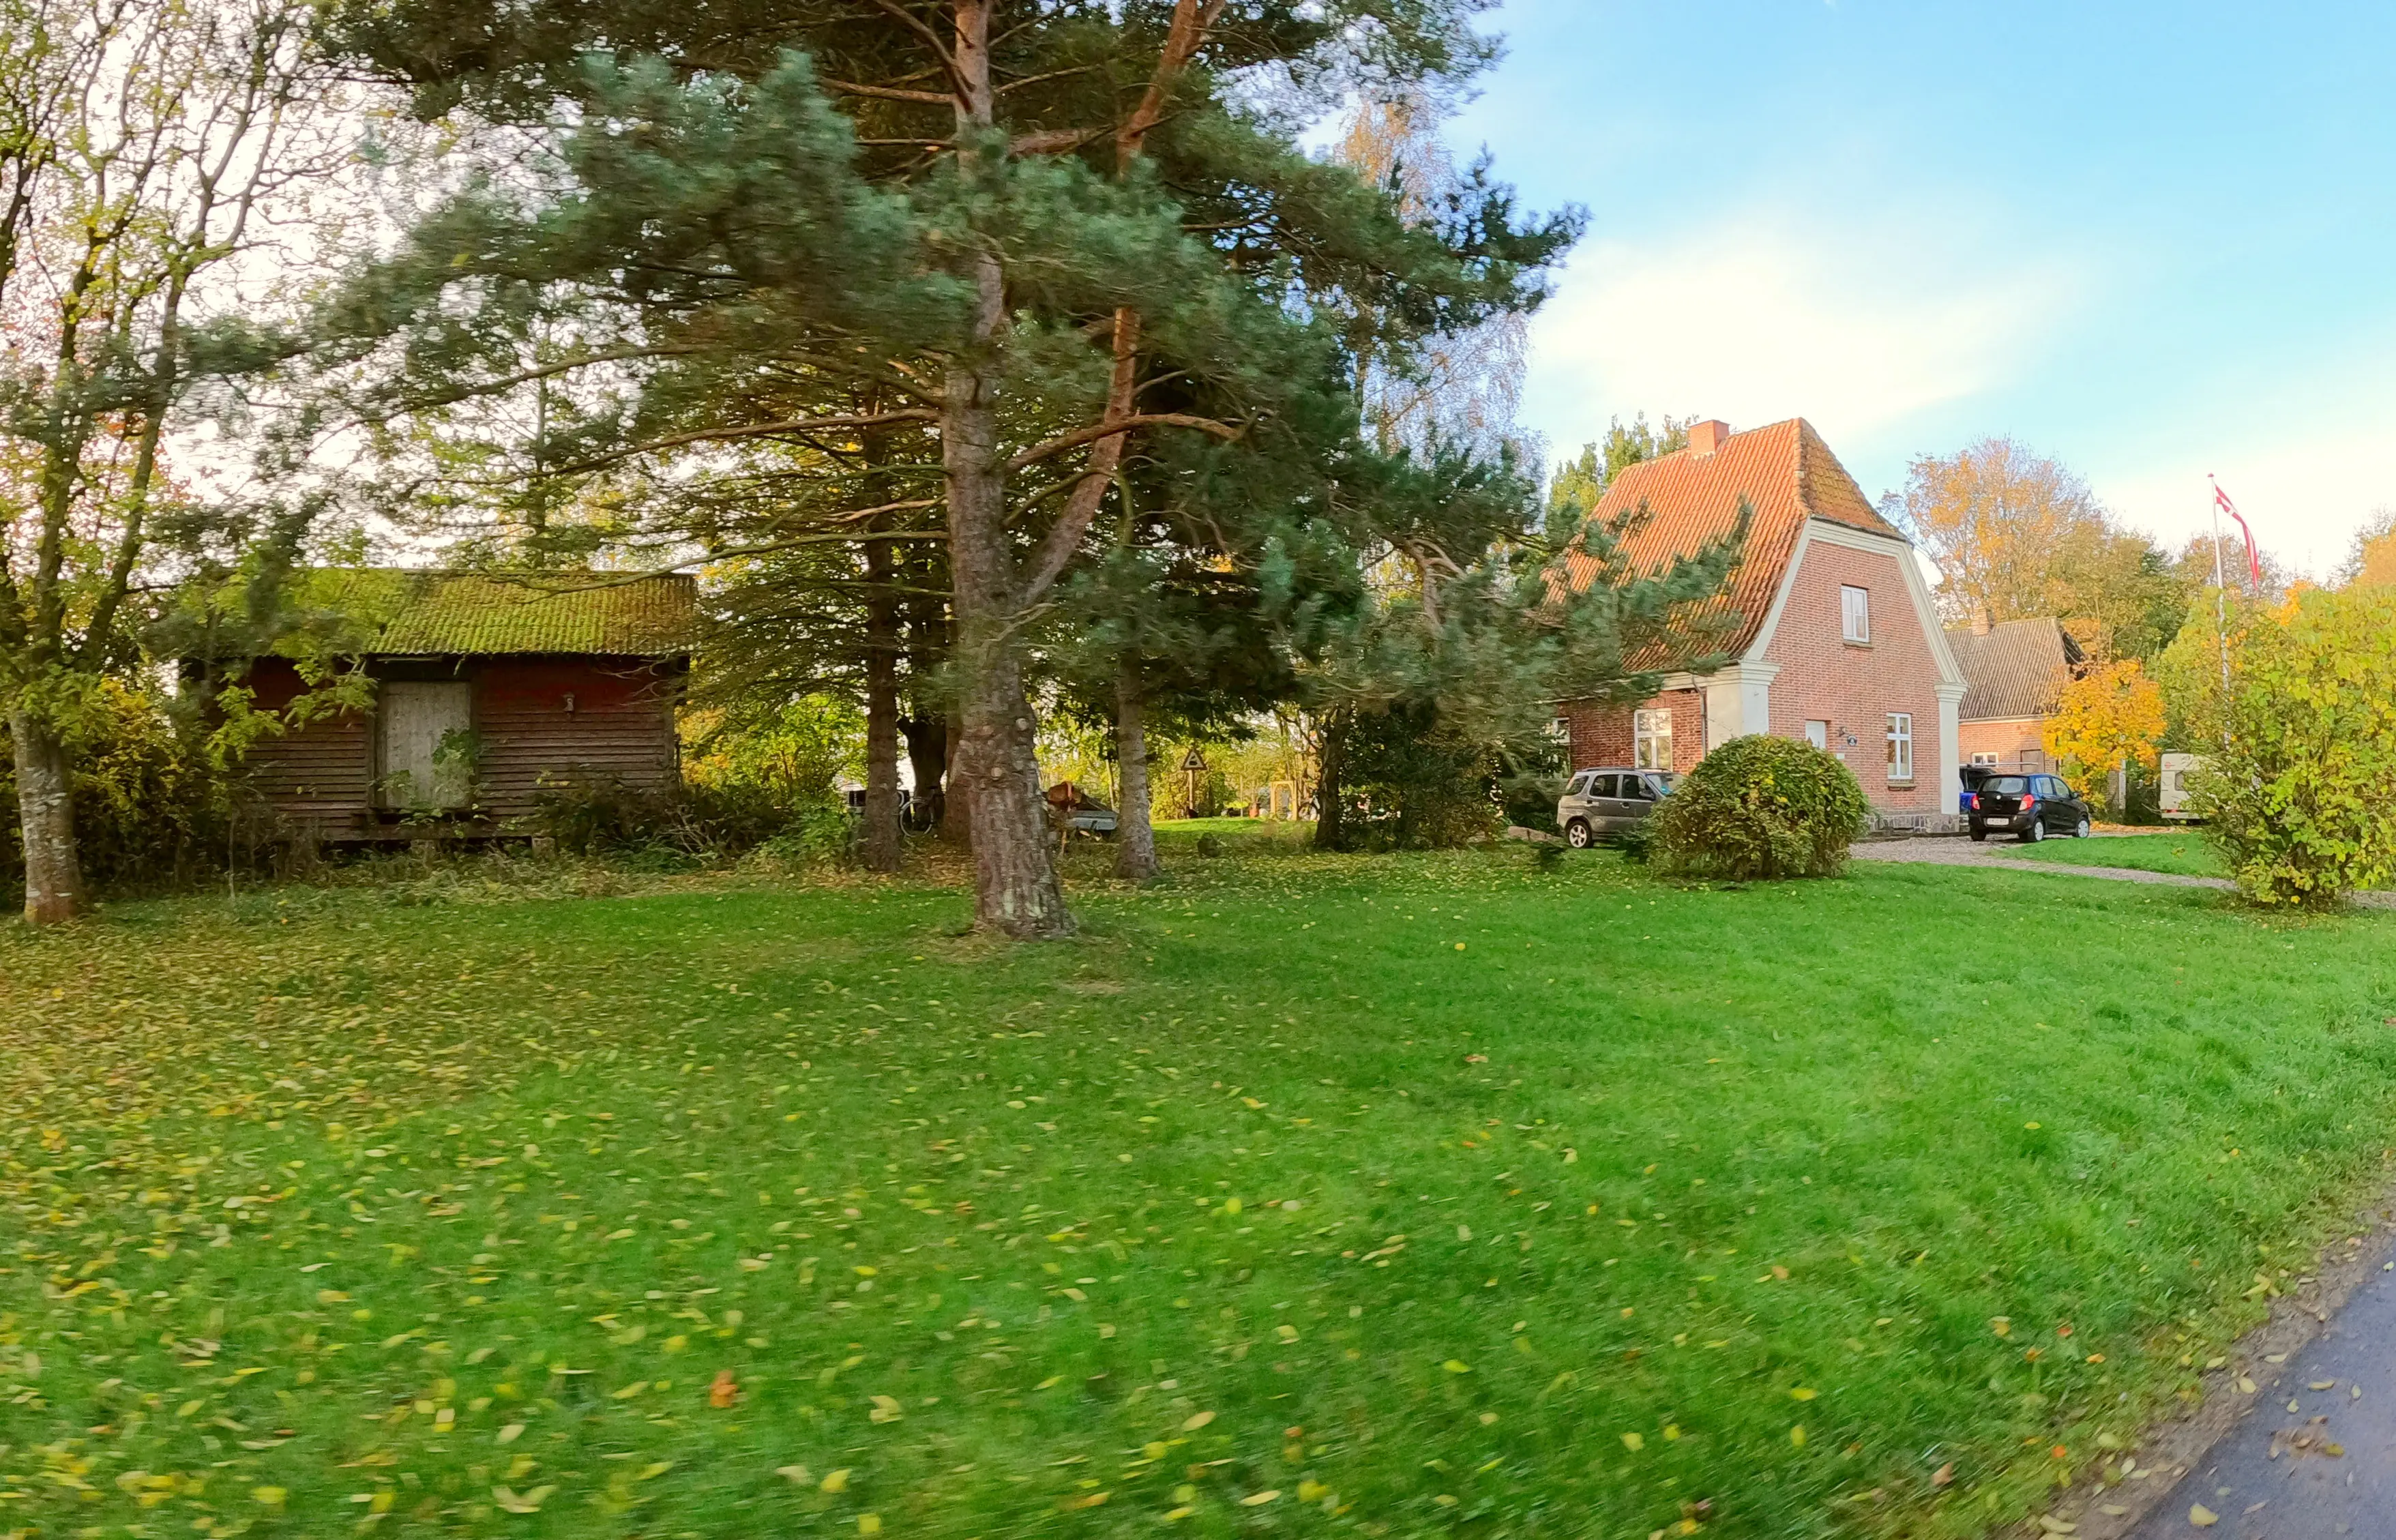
{"x":2111,"y":716}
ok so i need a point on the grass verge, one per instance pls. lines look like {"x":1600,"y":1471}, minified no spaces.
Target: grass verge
{"x":2185,"y":853}
{"x":1412,"y":1195}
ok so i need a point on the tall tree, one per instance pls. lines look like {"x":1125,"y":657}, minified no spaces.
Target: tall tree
{"x":142,"y":150}
{"x":2371,"y":559}
{"x":2016,"y":536}
{"x":1577,"y":484}
{"x":1043,"y":228}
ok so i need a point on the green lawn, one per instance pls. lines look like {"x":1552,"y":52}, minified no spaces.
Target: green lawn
{"x":1412,"y":1195}
{"x":2184,"y":852}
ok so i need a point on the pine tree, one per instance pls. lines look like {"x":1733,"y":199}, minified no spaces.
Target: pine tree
{"x":1037,"y":229}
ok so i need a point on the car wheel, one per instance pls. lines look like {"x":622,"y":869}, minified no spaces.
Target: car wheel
{"x":2035,"y":833}
{"x":2081,"y":832}
{"x":1979,"y":836}
{"x":1579,"y":835}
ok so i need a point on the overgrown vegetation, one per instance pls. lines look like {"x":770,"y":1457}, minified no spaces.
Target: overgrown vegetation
{"x":1758,"y":807}
{"x":154,"y":808}
{"x":2300,"y":743}
{"x":721,"y":1210}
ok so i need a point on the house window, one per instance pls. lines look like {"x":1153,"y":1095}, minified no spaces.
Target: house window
{"x":1559,"y":731}
{"x":1855,"y":613}
{"x":1989,"y":758}
{"x":1900,"y":746}
{"x":1651,"y":739}
{"x":1818,"y":735}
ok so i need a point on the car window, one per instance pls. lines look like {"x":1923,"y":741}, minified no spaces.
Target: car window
{"x":1579,"y":784}
{"x":1601,"y":785}
{"x":2005,"y":786}
{"x":2050,"y":787}
{"x":1637,"y":786}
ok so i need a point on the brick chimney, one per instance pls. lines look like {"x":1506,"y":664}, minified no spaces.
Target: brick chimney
{"x":1980,"y":620}
{"x":1706,"y":436}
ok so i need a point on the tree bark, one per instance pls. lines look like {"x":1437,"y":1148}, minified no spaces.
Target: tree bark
{"x":928,"y":755}
{"x":45,"y":812}
{"x":1135,"y":834}
{"x":1330,"y":819}
{"x":1016,"y":889}
{"x":881,"y":834}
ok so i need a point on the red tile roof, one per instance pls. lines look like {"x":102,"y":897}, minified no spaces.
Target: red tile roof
{"x":1786,"y":473}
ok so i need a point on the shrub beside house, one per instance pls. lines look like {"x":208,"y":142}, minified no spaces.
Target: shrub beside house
{"x":1832,"y":635}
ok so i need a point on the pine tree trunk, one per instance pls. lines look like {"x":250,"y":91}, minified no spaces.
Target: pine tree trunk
{"x":45,"y":812}
{"x":1135,"y":834}
{"x":882,"y":840}
{"x":1330,"y":823}
{"x":1016,"y":890}
{"x":997,"y":772}
{"x":927,"y":756}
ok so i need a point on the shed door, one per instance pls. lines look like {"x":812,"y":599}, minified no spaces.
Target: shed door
{"x":424,"y":729}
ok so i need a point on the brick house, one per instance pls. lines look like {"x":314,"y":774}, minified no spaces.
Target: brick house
{"x":2014,"y":674}
{"x":1831,"y":633}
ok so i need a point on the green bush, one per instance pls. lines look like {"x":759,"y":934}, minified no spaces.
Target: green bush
{"x":1760,"y":807}
{"x":2296,"y":794}
{"x":151,"y":811}
{"x":1429,"y":788}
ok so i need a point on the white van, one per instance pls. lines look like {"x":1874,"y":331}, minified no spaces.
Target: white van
{"x":2176,"y":768}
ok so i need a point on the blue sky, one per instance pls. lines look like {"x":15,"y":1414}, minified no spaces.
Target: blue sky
{"x":2151,"y":240}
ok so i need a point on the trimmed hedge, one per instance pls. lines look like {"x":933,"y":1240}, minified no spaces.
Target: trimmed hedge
{"x":1760,"y":807}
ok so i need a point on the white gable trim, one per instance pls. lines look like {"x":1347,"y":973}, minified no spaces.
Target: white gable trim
{"x":1764,"y":634}
{"x":1924,"y":609}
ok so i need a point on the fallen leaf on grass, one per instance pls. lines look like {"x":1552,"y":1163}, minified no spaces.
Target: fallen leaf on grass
{"x":528,"y":1503}
{"x":836,"y":1481}
{"x":723,"y":1390}
{"x":1943,"y":1474}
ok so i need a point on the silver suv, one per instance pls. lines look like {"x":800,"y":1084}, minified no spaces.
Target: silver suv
{"x":1600,"y":802}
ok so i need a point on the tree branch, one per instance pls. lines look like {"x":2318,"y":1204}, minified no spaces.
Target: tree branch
{"x":886,"y":93}
{"x":1098,"y":431}
{"x":931,"y":40}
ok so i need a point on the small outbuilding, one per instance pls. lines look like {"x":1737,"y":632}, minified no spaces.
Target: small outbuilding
{"x":487,"y":689}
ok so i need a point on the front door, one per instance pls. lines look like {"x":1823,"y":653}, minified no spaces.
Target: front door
{"x":425,"y":732}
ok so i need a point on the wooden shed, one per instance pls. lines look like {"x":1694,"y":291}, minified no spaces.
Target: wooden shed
{"x":487,"y":689}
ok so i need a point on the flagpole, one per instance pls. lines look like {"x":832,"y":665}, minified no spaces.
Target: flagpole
{"x":2220,"y":600}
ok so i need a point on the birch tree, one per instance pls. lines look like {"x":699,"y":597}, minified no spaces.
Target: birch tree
{"x":142,"y":149}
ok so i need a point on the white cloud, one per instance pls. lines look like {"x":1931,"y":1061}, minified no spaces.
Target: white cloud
{"x":2308,"y":457}
{"x":1768,"y":315}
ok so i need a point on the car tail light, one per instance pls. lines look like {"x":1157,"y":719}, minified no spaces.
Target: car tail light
{"x":1972,"y":800}
{"x":2027,"y":803}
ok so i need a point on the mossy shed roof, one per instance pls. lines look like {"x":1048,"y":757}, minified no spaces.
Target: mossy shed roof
{"x":414,"y":612}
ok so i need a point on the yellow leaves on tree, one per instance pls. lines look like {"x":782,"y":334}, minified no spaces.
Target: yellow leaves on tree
{"x":2109,"y":717}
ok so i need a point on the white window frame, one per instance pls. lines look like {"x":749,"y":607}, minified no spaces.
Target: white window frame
{"x":1900,"y":747}
{"x":1651,"y":731}
{"x":1854,"y":614}
{"x":1817,"y":733}
{"x":1987,"y":759}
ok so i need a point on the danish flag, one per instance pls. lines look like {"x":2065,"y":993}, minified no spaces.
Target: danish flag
{"x":2253,"y":563}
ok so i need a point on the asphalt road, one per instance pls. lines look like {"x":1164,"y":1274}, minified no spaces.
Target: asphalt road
{"x":2311,"y":1457}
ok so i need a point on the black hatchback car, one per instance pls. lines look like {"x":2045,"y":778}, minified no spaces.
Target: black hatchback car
{"x":2029,"y":807}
